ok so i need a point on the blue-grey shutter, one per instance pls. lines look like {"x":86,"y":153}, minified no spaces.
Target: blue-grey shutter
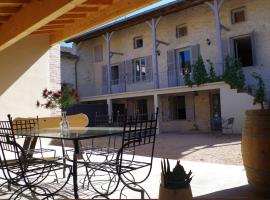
{"x":225,"y":47}
{"x":122,"y":76}
{"x":189,"y":100}
{"x":195,"y":53}
{"x":253,"y":38}
{"x":129,"y":71}
{"x":171,"y":65}
{"x":149,"y":68}
{"x":104,"y":79}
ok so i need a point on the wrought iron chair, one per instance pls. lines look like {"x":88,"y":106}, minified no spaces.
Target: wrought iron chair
{"x":31,"y":124}
{"x":105,"y":174}
{"x":228,"y":124}
{"x":26,"y":173}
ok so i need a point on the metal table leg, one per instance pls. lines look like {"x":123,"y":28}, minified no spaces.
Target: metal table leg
{"x":75,"y":173}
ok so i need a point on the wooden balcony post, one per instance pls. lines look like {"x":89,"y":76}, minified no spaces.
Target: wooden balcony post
{"x":215,"y":7}
{"x":153,"y":25}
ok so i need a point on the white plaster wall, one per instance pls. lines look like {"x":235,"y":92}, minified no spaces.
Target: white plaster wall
{"x":24,"y":73}
{"x":235,"y":104}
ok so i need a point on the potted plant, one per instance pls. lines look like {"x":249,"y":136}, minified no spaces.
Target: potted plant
{"x":256,"y":143}
{"x":174,"y":184}
{"x":61,"y":99}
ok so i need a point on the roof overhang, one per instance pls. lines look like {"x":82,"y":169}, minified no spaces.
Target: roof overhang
{"x":61,"y":19}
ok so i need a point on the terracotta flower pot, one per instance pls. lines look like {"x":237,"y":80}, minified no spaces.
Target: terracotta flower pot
{"x":175,"y":194}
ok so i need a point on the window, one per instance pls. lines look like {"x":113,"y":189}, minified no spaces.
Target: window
{"x":139,"y":70}
{"x":183,"y":59}
{"x":243,"y":50}
{"x":181,"y":31}
{"x":115,"y":75}
{"x":238,"y":15}
{"x":138,"y":42}
{"x":98,"y":53}
{"x":177,"y":108}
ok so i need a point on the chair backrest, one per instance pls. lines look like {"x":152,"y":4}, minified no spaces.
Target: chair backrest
{"x":78,"y":120}
{"x":10,"y":151}
{"x":140,"y":131}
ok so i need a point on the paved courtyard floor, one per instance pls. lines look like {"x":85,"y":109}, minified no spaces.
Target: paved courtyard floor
{"x":214,"y":159}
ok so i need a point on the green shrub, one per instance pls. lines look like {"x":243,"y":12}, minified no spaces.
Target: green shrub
{"x":187,"y":75}
{"x":260,"y":90}
{"x":233,"y":74}
{"x":200,"y":75}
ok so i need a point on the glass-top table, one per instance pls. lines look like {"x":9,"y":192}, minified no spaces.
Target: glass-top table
{"x":75,"y":134}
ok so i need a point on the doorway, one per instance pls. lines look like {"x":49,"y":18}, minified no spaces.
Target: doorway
{"x":216,"y":121}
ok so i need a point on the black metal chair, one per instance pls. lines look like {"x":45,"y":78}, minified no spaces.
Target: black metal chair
{"x":24,"y":172}
{"x":106,"y":171}
{"x":32,"y":125}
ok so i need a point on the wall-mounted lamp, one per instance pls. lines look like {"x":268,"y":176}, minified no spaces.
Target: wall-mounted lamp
{"x":158,"y":52}
{"x":208,"y":41}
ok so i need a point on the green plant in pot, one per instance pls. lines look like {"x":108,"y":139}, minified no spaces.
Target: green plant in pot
{"x":256,"y":143}
{"x":175,"y":184}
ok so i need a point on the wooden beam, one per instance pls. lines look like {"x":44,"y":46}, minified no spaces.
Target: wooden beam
{"x":72,"y":16}
{"x":12,"y":2}
{"x":43,"y":32}
{"x":84,"y":10}
{"x":61,"y":21}
{"x":33,"y":16}
{"x":9,"y":10}
{"x":98,"y":2}
{"x":4,"y":18}
{"x":118,"y":9}
{"x":51,"y":27}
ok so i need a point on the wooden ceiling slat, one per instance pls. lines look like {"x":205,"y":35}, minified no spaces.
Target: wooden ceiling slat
{"x":63,"y":21}
{"x":98,"y":2}
{"x":49,"y":27}
{"x":118,"y":9}
{"x":84,"y":10}
{"x":12,"y":2}
{"x":33,"y":16}
{"x":9,"y":10}
{"x":72,"y":16}
{"x":4,"y":18}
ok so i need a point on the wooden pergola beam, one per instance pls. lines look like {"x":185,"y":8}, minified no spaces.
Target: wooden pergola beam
{"x":118,"y":9}
{"x":84,"y":9}
{"x":33,"y":16}
{"x":61,"y":21}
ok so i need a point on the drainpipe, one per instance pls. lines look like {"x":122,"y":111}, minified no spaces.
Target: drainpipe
{"x":215,"y":7}
{"x":153,"y":25}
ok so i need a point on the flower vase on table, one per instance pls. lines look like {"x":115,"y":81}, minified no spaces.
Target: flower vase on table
{"x":64,"y":124}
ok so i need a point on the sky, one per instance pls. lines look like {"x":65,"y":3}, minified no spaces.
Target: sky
{"x":161,"y":2}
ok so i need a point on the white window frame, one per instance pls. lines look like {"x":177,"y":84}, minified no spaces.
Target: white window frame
{"x":235,"y":54}
{"x":177,"y":30}
{"x":178,"y":59}
{"x":141,"y":77}
{"x":115,"y":81}
{"x":235,"y":10}
{"x":135,"y":42}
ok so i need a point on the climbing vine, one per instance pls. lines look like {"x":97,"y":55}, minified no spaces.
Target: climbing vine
{"x":260,"y":90}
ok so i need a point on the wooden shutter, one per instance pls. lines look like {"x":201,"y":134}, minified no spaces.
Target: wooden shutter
{"x":104,"y":79}
{"x":149,"y":68}
{"x":189,"y":100}
{"x":195,"y":53}
{"x":171,"y":65}
{"x":98,"y":53}
{"x":253,"y":38}
{"x":129,"y":71}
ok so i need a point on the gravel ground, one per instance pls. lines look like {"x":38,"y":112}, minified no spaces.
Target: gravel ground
{"x":193,"y":146}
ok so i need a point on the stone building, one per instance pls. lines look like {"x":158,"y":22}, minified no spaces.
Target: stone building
{"x":138,"y":63}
